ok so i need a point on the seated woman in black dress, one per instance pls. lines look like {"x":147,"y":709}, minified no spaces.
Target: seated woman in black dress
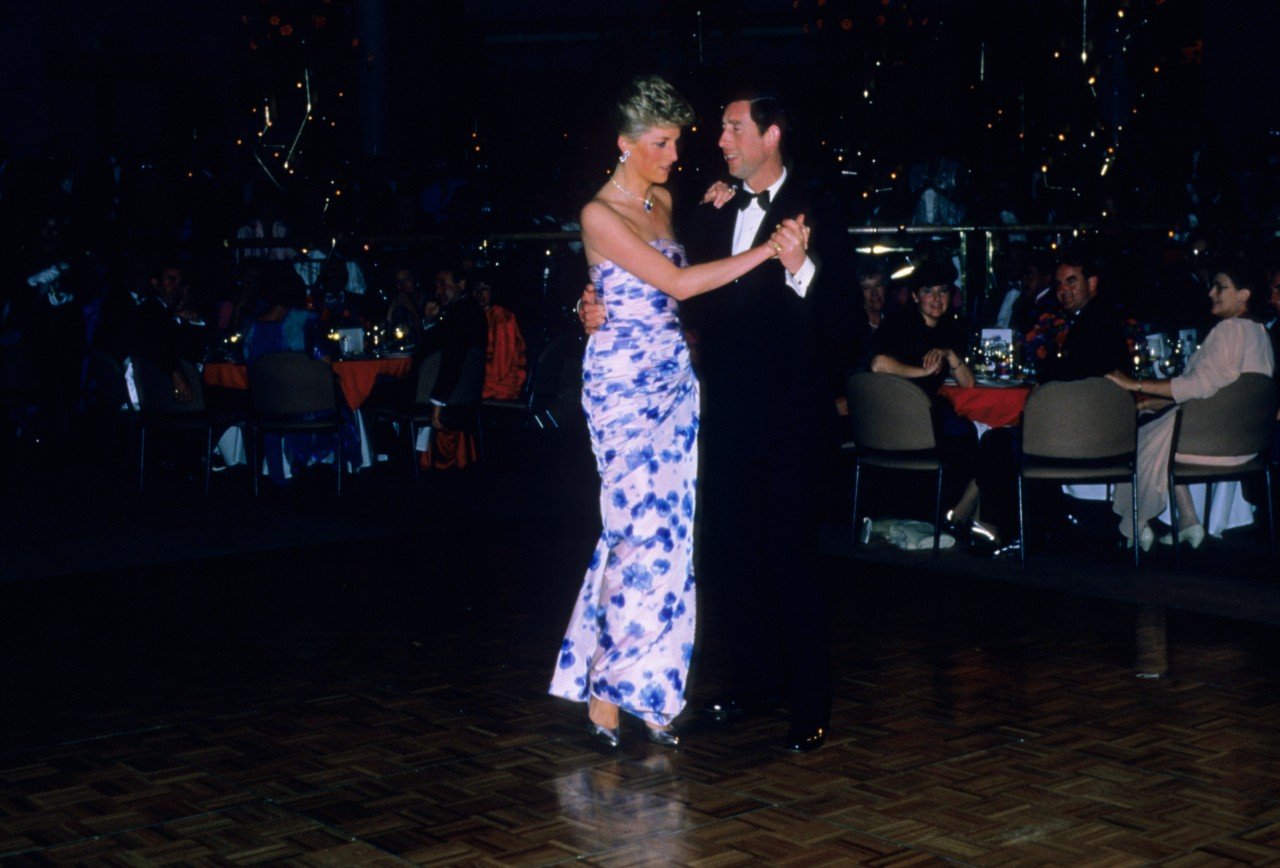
{"x":925,"y":343}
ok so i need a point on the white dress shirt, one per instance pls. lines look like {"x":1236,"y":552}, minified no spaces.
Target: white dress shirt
{"x":747,"y":224}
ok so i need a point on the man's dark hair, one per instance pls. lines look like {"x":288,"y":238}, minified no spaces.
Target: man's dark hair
{"x":767,"y":110}
{"x":1076,"y":257}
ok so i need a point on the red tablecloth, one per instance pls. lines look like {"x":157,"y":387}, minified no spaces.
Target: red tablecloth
{"x":990,"y":405}
{"x":356,"y":377}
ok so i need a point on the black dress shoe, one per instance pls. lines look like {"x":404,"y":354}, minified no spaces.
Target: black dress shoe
{"x":803,"y":739}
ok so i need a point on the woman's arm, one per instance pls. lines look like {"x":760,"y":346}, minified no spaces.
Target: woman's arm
{"x":1146,"y":388}
{"x":886,"y":364}
{"x":607,"y":235}
{"x":962,"y":372}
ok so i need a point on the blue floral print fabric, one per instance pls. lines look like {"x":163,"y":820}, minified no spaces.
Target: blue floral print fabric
{"x":631,"y":634}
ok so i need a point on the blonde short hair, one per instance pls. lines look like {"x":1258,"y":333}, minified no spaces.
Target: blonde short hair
{"x":649,"y":101}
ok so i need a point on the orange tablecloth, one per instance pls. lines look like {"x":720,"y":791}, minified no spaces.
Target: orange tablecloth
{"x":229,"y":375}
{"x":990,"y":405}
{"x":356,"y":377}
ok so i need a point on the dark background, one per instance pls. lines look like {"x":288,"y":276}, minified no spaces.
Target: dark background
{"x":509,"y":97}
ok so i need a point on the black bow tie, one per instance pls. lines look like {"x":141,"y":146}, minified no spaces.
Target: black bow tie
{"x":745,"y":199}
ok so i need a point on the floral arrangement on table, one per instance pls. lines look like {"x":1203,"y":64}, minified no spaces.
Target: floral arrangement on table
{"x":1050,"y":331}
{"x":1045,"y":337}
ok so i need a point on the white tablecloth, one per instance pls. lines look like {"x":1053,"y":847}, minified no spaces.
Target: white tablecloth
{"x":1230,"y":509}
{"x":231,"y":447}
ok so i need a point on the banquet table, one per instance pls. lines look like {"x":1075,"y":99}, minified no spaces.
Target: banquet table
{"x":356,"y":378}
{"x":988,"y":405}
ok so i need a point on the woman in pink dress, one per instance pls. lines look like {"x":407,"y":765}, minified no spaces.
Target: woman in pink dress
{"x":1238,"y":344}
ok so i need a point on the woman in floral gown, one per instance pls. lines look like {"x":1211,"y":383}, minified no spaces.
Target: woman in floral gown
{"x":630,"y":637}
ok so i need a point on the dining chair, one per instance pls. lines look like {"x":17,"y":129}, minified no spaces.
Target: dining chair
{"x":539,"y":403}
{"x":463,"y":403}
{"x":159,"y":409}
{"x":292,"y":393}
{"x":1079,"y":431}
{"x":1235,"y":420}
{"x":893,"y":429}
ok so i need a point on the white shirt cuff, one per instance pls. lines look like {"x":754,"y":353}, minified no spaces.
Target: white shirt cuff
{"x":799,"y":282}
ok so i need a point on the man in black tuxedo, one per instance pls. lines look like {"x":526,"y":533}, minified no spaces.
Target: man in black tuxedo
{"x":757,"y":353}
{"x":764,"y":412}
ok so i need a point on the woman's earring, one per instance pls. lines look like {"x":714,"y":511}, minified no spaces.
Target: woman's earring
{"x":622,"y":158}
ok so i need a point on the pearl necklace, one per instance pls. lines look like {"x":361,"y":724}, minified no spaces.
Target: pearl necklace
{"x":647,"y":200}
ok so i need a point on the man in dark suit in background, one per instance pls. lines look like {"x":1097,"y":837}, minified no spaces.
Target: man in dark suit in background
{"x":1095,"y":343}
{"x":758,"y":350}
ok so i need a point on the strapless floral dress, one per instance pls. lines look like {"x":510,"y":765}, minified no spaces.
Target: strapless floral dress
{"x":630,"y":638}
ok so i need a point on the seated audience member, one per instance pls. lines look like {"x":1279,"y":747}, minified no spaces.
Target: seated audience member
{"x":330,"y":299}
{"x":1032,"y":296}
{"x":855,"y":352}
{"x":117,"y":331}
{"x":169,"y":331}
{"x":1082,"y":337}
{"x":1237,"y":345}
{"x":504,"y":357}
{"x":284,"y":324}
{"x":233,"y":314}
{"x":1087,"y":337}
{"x":868,"y":316}
{"x":461,"y":326}
{"x":925,"y":343}
{"x":406,"y":308}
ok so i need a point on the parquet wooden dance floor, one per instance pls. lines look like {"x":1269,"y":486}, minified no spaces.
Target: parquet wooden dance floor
{"x":383,"y":703}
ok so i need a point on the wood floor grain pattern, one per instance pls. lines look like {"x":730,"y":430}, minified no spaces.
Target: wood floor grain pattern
{"x":333,"y":708}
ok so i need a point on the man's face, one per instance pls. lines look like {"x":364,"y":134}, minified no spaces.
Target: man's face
{"x":170,"y":285}
{"x":1032,"y":279}
{"x":749,"y":154}
{"x":447,"y":288}
{"x":1074,"y":289}
{"x":873,"y":294}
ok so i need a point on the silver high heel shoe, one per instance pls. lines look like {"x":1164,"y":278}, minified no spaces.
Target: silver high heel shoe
{"x":610,"y":738}
{"x":664,"y":737}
